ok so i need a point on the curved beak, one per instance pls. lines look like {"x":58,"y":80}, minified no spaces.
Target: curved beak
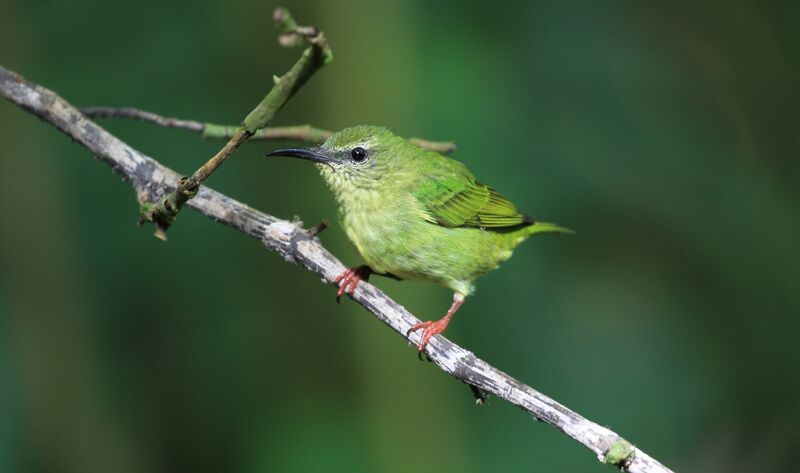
{"x":310,"y":154}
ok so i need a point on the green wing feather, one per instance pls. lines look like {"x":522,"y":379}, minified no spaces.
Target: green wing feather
{"x":453,"y":198}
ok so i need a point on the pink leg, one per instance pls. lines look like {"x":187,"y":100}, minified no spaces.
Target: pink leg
{"x":431,"y":328}
{"x":350,"y":279}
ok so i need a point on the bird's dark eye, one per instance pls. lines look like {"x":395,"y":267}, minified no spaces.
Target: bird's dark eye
{"x":358,"y":154}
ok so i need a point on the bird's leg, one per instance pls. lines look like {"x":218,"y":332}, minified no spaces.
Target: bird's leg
{"x":350,"y":279}
{"x":431,"y":328}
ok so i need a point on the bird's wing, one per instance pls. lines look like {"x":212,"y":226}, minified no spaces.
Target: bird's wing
{"x":454,"y":198}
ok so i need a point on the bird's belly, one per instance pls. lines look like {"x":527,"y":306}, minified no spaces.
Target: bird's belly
{"x":416,"y":249}
{"x":380,"y":241}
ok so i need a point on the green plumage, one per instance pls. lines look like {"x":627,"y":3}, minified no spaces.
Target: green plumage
{"x":416,"y":214}
{"x":420,"y":215}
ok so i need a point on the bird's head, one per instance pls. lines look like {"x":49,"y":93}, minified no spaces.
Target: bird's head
{"x":361,"y":157}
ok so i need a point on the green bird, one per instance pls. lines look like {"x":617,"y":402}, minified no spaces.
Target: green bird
{"x":415,"y":214}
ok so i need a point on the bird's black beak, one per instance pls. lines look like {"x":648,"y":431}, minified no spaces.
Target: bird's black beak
{"x":310,"y":154}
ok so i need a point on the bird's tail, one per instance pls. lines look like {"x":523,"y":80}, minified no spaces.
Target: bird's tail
{"x":543,"y":227}
{"x":522,"y":234}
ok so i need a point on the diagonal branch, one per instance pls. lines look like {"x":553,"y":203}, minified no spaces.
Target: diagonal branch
{"x":306,"y":133}
{"x":293,"y":243}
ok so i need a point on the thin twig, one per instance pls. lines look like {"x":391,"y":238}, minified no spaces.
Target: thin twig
{"x":318,"y":228}
{"x":305,"y":133}
{"x":142,"y":115}
{"x":164,"y":211}
{"x":151,"y":180}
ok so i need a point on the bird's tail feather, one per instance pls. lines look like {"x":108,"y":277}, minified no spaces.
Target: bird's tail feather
{"x":543,"y":227}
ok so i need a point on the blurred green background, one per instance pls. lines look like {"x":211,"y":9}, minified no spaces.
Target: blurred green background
{"x":665,"y":133}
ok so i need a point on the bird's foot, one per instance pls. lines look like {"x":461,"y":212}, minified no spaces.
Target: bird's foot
{"x":350,"y":278}
{"x":429,"y":329}
{"x":435,"y":327}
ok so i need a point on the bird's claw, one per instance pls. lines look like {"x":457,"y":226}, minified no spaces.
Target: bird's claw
{"x":349,"y":280}
{"x":429,"y":329}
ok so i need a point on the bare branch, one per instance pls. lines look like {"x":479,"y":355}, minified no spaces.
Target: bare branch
{"x":151,"y":180}
{"x":305,"y":133}
{"x":145,"y":116}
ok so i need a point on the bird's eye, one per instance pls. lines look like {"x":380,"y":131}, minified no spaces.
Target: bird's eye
{"x":358,"y":154}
